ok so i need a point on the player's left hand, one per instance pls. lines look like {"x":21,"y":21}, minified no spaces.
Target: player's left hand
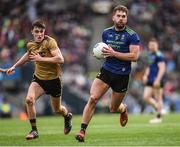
{"x":11,"y":70}
{"x":108,"y":51}
{"x":35,"y":57}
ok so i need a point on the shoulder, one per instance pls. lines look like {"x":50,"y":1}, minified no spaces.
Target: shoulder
{"x":108,"y":29}
{"x":50,"y":42}
{"x":30,"y":43}
{"x":159,"y":54}
{"x":48,"y":38}
{"x":106,"y":32}
{"x":130,"y":31}
{"x":132,"y":36}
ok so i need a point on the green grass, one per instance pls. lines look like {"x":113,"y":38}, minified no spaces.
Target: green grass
{"x":104,"y":130}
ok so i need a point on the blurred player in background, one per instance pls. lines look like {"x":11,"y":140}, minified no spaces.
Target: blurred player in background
{"x":154,"y":79}
{"x":123,"y":49}
{"x":45,"y":53}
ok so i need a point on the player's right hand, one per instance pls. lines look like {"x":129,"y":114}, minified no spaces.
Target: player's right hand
{"x":108,"y":51}
{"x":10,"y":71}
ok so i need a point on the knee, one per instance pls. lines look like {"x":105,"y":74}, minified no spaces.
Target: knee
{"x":30,"y":101}
{"x":113,"y":109}
{"x":58,"y":110}
{"x":93,"y":100}
{"x":145,"y":98}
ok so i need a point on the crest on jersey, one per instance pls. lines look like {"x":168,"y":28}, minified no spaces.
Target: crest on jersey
{"x":122,"y":37}
{"x":116,"y":37}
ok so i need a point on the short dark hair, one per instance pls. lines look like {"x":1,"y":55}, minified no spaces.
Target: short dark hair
{"x":120,"y":8}
{"x":153,"y":39}
{"x":38,"y":23}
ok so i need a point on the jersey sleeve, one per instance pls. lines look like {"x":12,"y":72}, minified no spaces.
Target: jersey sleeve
{"x":103,"y":37}
{"x":27,"y":46}
{"x":134,"y":40}
{"x":160,"y":58}
{"x":52,"y":44}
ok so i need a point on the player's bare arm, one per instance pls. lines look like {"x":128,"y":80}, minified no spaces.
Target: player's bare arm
{"x":3,"y":70}
{"x":20,"y":62}
{"x":131,"y":56}
{"x":162,"y":69}
{"x":56,"y":57}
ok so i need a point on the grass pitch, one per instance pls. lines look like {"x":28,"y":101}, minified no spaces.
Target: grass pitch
{"x":104,"y":130}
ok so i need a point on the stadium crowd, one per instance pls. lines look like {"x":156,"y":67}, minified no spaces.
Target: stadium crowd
{"x":159,"y":19}
{"x":71,"y":26}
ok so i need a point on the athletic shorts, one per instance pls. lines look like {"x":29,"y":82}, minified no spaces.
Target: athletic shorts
{"x":51,"y":87}
{"x":150,"y":83}
{"x":118,"y":83}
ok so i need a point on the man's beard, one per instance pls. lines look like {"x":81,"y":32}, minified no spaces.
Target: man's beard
{"x":119,"y":27}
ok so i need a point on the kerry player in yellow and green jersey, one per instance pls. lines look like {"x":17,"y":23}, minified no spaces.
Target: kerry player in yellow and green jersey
{"x":123,"y":49}
{"x":45,"y":53}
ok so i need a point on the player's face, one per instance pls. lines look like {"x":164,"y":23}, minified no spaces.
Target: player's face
{"x":38,"y":34}
{"x":119,"y":19}
{"x":153,"y":46}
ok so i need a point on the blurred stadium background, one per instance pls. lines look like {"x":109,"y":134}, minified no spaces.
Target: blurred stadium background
{"x":77,"y":26}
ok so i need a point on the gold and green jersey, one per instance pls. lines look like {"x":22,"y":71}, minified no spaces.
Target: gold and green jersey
{"x":45,"y":70}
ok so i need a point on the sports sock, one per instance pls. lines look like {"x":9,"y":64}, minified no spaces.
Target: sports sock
{"x":83,"y":127}
{"x":33,"y":124}
{"x":66,"y":116}
{"x":158,"y":115}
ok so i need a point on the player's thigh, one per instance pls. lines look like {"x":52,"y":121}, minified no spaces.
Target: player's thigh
{"x":116,"y":99}
{"x":148,"y":92}
{"x":158,"y":93}
{"x":55,"y":102}
{"x":34,"y":91}
{"x":98,"y":88}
